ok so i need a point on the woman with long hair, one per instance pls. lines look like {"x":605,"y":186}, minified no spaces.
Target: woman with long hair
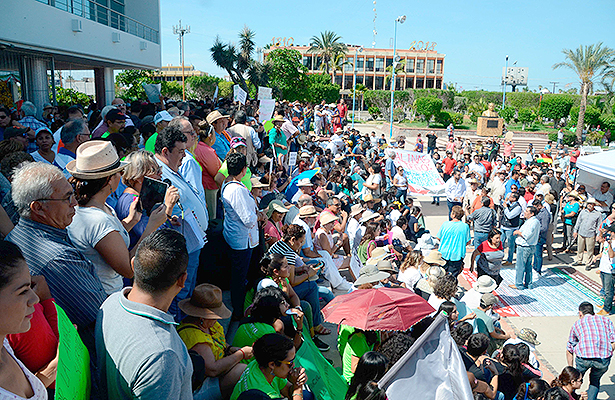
{"x":570,"y":380}
{"x":514,"y":374}
{"x":368,"y":241}
{"x":371,"y":367}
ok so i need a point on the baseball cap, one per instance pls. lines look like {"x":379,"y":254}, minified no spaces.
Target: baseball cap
{"x":14,"y":131}
{"x":237,"y":141}
{"x":162,"y":116}
{"x":115,"y":115}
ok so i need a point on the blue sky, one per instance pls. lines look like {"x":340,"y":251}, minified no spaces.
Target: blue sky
{"x":475,"y":35}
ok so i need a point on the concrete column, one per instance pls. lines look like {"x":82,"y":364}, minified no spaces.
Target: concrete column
{"x":36,"y":85}
{"x":99,"y":87}
{"x":109,"y":86}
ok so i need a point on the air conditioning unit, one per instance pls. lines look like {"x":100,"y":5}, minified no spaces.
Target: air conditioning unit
{"x":115,"y":37}
{"x":143,"y":45}
{"x":76,"y":25}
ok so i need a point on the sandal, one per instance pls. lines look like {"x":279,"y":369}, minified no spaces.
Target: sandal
{"x":321,"y":330}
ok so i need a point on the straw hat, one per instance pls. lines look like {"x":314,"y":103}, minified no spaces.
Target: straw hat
{"x":368,"y":197}
{"x":368,"y":215}
{"x":264,"y":160}
{"x":326,"y":218}
{"x":472,"y":180}
{"x":305,"y":182}
{"x":528,"y":335}
{"x":434,"y":257}
{"x":256,"y":183}
{"x":379,"y":252}
{"x":433,"y":273}
{"x":574,"y":194}
{"x":276,"y":205}
{"x":214,"y":116}
{"x":301,"y":138}
{"x":484,"y":284}
{"x":356,"y":209}
{"x":387,"y":266}
{"x":95,"y":159}
{"x":206,"y":302}
{"x":307,"y":212}
{"x":278,"y":118}
{"x":370,"y":274}
{"x":549,"y":198}
{"x":338,"y":130}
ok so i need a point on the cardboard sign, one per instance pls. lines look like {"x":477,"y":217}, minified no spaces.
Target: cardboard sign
{"x":264,"y":93}
{"x":292,"y":158}
{"x":152,"y":90}
{"x":265,"y":110}
{"x":73,"y":376}
{"x":239,"y":94}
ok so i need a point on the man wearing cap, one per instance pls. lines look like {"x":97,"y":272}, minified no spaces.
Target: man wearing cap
{"x":140,"y":353}
{"x":222,"y":145}
{"x":529,"y":337}
{"x":485,"y":324}
{"x":585,"y":231}
{"x":454,"y":236}
{"x":161,"y":120}
{"x":471,"y":194}
{"x":169,"y":151}
{"x":526,"y":240}
{"x":557,"y":183}
{"x":591,"y":342}
{"x":484,"y":284}
{"x":115,"y":120}
{"x":249,"y":135}
{"x":455,"y":189}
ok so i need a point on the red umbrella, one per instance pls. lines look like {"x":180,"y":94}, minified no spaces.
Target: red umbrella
{"x":383,"y":309}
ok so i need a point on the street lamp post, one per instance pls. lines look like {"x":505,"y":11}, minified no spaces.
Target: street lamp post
{"x":401,"y":20}
{"x":354,"y":82}
{"x":505,"y":76}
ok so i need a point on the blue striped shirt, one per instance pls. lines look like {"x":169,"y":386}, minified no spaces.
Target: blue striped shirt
{"x":70,"y":276}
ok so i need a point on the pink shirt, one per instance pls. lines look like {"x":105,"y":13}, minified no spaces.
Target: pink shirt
{"x":508,"y":149}
{"x":210,"y":162}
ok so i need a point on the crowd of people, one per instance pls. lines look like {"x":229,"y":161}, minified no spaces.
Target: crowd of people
{"x":110,"y":213}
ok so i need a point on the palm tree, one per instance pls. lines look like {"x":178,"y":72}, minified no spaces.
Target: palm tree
{"x":337,"y":64}
{"x":589,"y":62}
{"x":224,"y":56}
{"x":328,"y":46}
{"x":246,"y":48}
{"x":401,"y":65}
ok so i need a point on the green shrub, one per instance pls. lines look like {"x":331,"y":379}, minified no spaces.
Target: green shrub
{"x":594,"y":138}
{"x":476,"y":109}
{"x":67,"y":97}
{"x":519,"y":100}
{"x":569,"y":137}
{"x":526,"y":116}
{"x":428,"y":107}
{"x":443,"y":118}
{"x":555,"y":107}
{"x":457,"y":118}
{"x":460,"y":104}
{"x":607,"y":122}
{"x":373,"y":111}
{"x":398,"y":114}
{"x":592,"y":115}
{"x":508,"y":113}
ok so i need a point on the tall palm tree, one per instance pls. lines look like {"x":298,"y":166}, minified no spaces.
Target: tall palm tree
{"x":401,"y":65}
{"x":246,"y":48}
{"x":337,"y":64}
{"x":589,"y":62}
{"x":327,"y":46}
{"x":224,"y":56}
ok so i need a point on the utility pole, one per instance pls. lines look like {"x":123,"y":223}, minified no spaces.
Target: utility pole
{"x":554,"y":83}
{"x":181,"y":31}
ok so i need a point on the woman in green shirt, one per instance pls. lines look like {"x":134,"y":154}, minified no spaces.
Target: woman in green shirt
{"x":238,"y":145}
{"x":272,"y":372}
{"x":371,"y":367}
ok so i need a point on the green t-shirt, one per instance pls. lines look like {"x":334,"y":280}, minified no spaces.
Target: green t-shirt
{"x":357,"y":346}
{"x":280,"y":138}
{"x":484,"y":323}
{"x":253,"y":378}
{"x":105,"y":135}
{"x":245,"y":180}
{"x":250,"y":332}
{"x":151,"y":142}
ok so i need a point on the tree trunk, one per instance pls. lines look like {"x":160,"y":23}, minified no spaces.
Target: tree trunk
{"x":581,"y":120}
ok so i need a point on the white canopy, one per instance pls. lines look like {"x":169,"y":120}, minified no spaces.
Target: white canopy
{"x":597,"y":168}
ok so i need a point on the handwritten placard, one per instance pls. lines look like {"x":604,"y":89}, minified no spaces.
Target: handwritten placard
{"x":292,"y":158}
{"x":73,"y":376}
{"x":239,"y":94}
{"x":265,"y":109}
{"x":264,"y":93}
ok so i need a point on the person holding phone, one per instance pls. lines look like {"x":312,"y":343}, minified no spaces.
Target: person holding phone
{"x":96,"y":229}
{"x":142,"y":165}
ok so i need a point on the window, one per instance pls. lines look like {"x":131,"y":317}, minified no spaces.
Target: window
{"x":359,"y":79}
{"x":379,"y":64}
{"x":317,"y":62}
{"x":399,"y":82}
{"x":429,"y":83}
{"x":410,"y":65}
{"x":370,"y":64}
{"x":338,"y":80}
{"x":348,"y":82}
{"x":419,"y":83}
{"x":438,"y":83}
{"x":307,"y":62}
{"x":419,"y":66}
{"x":409,"y":83}
{"x":379,"y":83}
{"x":439,"y":67}
{"x":360,"y":63}
{"x":389,"y":62}
{"x":350,"y":66}
{"x":430,"y":66}
{"x":369,"y":82}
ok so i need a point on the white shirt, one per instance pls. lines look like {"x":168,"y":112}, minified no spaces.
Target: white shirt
{"x":455,"y":191}
{"x":606,"y":197}
{"x":479,"y":168}
{"x":530,"y":231}
{"x":605,"y":261}
{"x":40,"y":392}
{"x":472,"y":298}
{"x":410,"y":277}
{"x":353,"y":229}
{"x":309,"y":240}
{"x":240,"y":216}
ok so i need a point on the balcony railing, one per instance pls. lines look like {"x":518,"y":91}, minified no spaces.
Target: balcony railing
{"x":106,"y":16}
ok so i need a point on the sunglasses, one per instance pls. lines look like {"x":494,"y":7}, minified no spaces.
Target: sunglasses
{"x":289,"y":363}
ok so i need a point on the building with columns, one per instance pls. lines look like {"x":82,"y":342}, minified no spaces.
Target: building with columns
{"x":39,"y":37}
{"x":423,"y":69}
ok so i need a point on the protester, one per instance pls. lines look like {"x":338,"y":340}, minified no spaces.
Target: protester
{"x":371,"y":367}
{"x":454,"y":236}
{"x":210,"y":163}
{"x":585,"y":231}
{"x":527,"y":239}
{"x":490,"y":254}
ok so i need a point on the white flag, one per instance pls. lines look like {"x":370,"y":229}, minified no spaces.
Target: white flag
{"x":432,"y":369}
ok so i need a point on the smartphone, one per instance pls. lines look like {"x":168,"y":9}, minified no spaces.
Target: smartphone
{"x":152,"y":193}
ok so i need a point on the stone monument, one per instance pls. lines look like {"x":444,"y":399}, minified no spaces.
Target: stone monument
{"x":489,"y":124}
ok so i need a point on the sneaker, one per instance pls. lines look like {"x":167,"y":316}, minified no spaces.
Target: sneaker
{"x":438,"y":203}
{"x":322,"y":346}
{"x":603,"y":312}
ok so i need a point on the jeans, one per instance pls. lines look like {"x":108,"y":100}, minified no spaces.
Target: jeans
{"x":450,"y":205}
{"x":523,"y":277}
{"x":325,"y":294}
{"x":607,"y":286}
{"x":401,"y":193}
{"x":537,"y":264}
{"x":454,"y":267}
{"x":193,"y":267}
{"x":480,"y":237}
{"x":309,"y":292}
{"x":509,"y":240}
{"x":240,"y":262}
{"x":430,"y":150}
{"x":568,"y":239}
{"x":597,"y":367}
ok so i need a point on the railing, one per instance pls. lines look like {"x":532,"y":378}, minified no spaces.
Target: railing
{"x":106,"y":16}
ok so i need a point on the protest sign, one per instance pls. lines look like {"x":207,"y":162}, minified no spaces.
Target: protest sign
{"x":216,"y":93}
{"x":420,"y":171}
{"x":326,"y":383}
{"x":509,"y":136}
{"x":264,"y":93}
{"x":292,"y":158}
{"x":239,"y":94}
{"x":73,"y":374}
{"x":265,"y":109}
{"x":432,"y":369}
{"x":152,"y":90}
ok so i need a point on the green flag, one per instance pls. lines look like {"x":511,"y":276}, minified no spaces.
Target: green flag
{"x":73,"y":376}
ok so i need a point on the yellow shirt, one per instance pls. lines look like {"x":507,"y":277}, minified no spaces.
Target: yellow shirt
{"x":193,"y":335}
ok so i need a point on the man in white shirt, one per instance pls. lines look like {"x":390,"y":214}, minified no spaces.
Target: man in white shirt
{"x":455,"y":190}
{"x":355,"y":233}
{"x":604,"y":198}
{"x":526,"y":241}
{"x":335,"y":142}
{"x":477,"y":167}
{"x":253,"y":143}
